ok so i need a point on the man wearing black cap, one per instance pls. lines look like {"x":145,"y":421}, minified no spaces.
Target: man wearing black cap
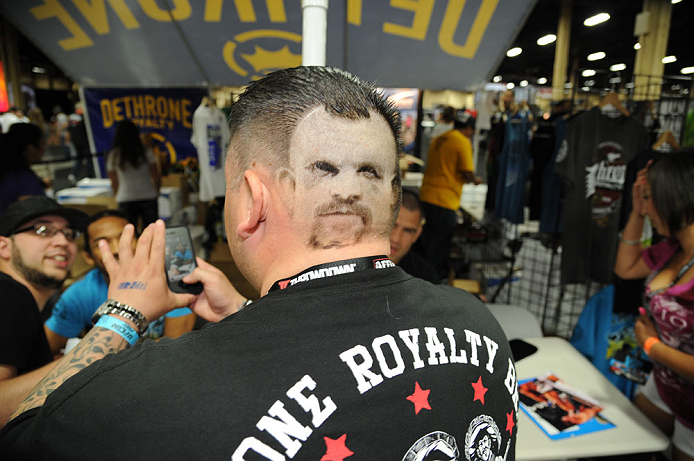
{"x":37,"y":249}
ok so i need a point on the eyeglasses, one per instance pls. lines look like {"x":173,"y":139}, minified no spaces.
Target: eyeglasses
{"x":47,"y":232}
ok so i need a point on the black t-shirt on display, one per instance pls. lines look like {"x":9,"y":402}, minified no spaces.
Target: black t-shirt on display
{"x":372,"y":364}
{"x":23,"y":343}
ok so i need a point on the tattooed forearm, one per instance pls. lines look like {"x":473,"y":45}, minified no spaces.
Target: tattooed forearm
{"x":98,"y":343}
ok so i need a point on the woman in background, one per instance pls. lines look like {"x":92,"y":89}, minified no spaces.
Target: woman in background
{"x":662,"y":192}
{"x":22,"y":146}
{"x":134,"y":176}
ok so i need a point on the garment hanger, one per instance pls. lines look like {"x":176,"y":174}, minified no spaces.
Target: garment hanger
{"x":612,"y":99}
{"x":666,"y":137}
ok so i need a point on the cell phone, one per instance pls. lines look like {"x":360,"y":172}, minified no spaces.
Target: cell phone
{"x":179,"y":260}
{"x":521,"y":349}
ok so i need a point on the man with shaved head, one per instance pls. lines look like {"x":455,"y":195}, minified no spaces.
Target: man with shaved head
{"x":343,"y":356}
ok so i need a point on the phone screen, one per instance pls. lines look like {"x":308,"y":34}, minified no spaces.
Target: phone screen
{"x":179,"y":259}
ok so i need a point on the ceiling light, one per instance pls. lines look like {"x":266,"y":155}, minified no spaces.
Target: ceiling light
{"x":541,"y":81}
{"x":568,"y":85}
{"x":669,"y":59}
{"x":618,"y":67}
{"x":616,"y":80}
{"x":588,"y":73}
{"x":629,"y":85}
{"x":497,"y":78}
{"x":585,"y":88}
{"x":676,"y":1}
{"x":589,"y":83}
{"x":510,"y":85}
{"x":514,"y":52}
{"x":687,"y":70}
{"x":38,"y":70}
{"x":547,"y":39}
{"x":637,"y":46}
{"x":596,"y":56}
{"x":597,"y":19}
{"x":524,"y":83}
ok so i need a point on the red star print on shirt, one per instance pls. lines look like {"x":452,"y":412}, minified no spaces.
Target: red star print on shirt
{"x":336,"y":449}
{"x":420,"y":398}
{"x":480,"y":390}
{"x":509,"y":422}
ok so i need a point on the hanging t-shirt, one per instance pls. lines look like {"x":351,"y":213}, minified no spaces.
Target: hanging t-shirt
{"x":210,"y":138}
{"x":513,"y":169}
{"x":552,"y":187}
{"x":592,"y":162}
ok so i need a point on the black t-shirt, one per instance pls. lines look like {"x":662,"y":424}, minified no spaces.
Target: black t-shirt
{"x":23,"y":342}
{"x":372,"y":365}
{"x":419,"y":267}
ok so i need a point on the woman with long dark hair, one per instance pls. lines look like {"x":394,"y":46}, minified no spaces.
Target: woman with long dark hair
{"x":134,"y":176}
{"x":22,"y":146}
{"x":663,"y":192}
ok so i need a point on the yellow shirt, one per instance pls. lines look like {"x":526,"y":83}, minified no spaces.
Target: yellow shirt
{"x":449,"y":155}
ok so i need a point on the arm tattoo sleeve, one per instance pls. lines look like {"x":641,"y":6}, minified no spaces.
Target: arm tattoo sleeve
{"x":98,"y":343}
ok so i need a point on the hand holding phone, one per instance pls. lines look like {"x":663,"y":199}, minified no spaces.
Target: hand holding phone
{"x":179,"y":258}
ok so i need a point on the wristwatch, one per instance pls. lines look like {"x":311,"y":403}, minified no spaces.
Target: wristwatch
{"x":123,"y":310}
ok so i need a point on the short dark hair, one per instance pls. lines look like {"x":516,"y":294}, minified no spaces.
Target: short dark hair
{"x":410,"y":200}
{"x":268,"y":111}
{"x":671,"y":177}
{"x":94,"y":218}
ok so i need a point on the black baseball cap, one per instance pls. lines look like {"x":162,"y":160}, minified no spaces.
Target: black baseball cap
{"x":22,"y":211}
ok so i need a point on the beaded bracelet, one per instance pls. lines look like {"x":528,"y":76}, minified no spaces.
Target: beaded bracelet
{"x":120,"y":327}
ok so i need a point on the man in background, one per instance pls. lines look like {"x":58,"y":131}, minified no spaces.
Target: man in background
{"x":449,"y":166}
{"x":406,"y":231}
{"x":37,"y":250}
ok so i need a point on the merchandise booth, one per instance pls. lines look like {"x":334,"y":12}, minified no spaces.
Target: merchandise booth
{"x":571,"y":100}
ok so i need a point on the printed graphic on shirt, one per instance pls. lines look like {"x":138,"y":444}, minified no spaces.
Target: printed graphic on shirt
{"x":214,"y":145}
{"x":285,"y":428}
{"x":605,"y":182}
{"x":436,"y":445}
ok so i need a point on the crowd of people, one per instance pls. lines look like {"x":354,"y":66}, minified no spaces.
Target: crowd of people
{"x":355,"y":346}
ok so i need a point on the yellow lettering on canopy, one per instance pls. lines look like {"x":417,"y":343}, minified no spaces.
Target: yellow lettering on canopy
{"x":53,"y":9}
{"x":420,"y":23}
{"x":175,"y":109}
{"x":354,"y":12}
{"x":94,"y":11}
{"x":117,"y":110}
{"x":106,"y":113}
{"x":162,"y":109}
{"x":474,"y":37}
{"x":181,"y":10}
{"x":213,"y":11}
{"x":126,"y":104}
{"x":138,"y":106}
{"x":245,"y":10}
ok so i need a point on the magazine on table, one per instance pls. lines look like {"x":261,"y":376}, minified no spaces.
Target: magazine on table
{"x":560,"y":410}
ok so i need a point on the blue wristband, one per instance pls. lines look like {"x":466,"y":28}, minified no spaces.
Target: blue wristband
{"x":120,"y":327}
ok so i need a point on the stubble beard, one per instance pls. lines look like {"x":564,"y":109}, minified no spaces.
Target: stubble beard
{"x":34,"y":276}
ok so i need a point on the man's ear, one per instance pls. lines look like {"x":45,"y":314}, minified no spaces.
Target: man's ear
{"x":5,"y":248}
{"x":89,"y":258}
{"x":255,"y":204}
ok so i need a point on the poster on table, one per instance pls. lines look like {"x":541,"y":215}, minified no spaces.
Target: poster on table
{"x":443,"y":44}
{"x":164,"y":115}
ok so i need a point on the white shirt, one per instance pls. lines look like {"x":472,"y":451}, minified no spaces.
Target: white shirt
{"x":210,"y":138}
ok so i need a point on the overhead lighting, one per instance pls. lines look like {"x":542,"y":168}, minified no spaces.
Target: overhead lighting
{"x":614,"y":80}
{"x":687,"y":70}
{"x":497,"y":78}
{"x":541,"y":81}
{"x":676,"y":1}
{"x":524,"y":83}
{"x":589,"y":83}
{"x":38,"y":70}
{"x":585,"y":88}
{"x":597,"y":19}
{"x":514,"y":52}
{"x":637,"y":46}
{"x":547,"y":39}
{"x":510,"y":85}
{"x":568,"y":85}
{"x":669,"y":59}
{"x":618,"y":67}
{"x":596,"y":56}
{"x":588,"y":73}
{"x":629,"y":85}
